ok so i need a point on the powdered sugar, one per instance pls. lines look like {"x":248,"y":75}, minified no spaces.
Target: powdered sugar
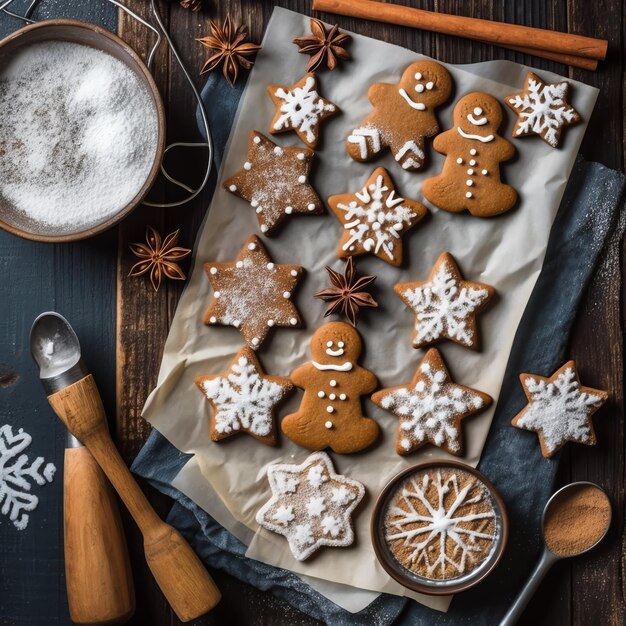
{"x":560,"y":409}
{"x":79,"y":134}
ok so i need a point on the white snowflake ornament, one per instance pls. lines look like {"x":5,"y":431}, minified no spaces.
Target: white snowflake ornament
{"x":445,"y":305}
{"x":300,"y":108}
{"x":317,"y":515}
{"x":17,"y":476}
{"x":431,"y":407}
{"x":244,"y":398}
{"x":542,"y":109}
{"x":559,"y":409}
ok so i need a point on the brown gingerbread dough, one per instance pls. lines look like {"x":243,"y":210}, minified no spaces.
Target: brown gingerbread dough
{"x":330,"y":414}
{"x":470,"y":178}
{"x":403,"y":115}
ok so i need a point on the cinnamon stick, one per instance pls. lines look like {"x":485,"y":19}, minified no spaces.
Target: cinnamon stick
{"x":499,"y":33}
{"x":566,"y":59}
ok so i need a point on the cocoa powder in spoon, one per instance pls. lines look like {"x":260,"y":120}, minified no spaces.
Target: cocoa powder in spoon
{"x":576,"y":520}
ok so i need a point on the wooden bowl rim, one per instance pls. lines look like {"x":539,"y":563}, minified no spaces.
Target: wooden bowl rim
{"x":386,"y":559}
{"x":160,"y":113}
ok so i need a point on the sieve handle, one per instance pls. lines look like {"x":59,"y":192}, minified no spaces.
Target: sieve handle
{"x":515,"y":612}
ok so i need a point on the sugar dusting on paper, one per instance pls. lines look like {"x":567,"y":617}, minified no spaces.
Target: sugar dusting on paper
{"x":78,"y":133}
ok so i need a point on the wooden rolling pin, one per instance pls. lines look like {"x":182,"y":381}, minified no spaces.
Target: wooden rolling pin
{"x":98,"y":577}
{"x":177,"y":569}
{"x":575,"y":50}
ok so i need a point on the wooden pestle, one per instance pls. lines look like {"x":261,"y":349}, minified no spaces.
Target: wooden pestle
{"x":177,"y":569}
{"x":95,"y":547}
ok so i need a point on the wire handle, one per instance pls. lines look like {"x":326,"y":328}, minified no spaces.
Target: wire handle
{"x":161,"y":33}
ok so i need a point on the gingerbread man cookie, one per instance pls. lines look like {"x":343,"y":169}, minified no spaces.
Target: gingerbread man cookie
{"x":470,"y":178}
{"x":403,"y":115}
{"x":330,"y":413}
{"x":300,"y":108}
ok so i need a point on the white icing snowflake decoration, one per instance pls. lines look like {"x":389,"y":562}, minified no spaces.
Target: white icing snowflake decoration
{"x":17,"y":476}
{"x":431,"y":407}
{"x":375,"y":218}
{"x":302,"y":109}
{"x":320,"y":505}
{"x":445,"y":305}
{"x":542,"y":109}
{"x":426,"y":525}
{"x":559,"y":409}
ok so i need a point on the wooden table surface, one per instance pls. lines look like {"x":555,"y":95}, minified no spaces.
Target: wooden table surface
{"x":584,"y":592}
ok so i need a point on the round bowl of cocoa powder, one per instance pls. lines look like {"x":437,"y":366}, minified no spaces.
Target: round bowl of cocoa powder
{"x":439,"y":527}
{"x":576,"y":519}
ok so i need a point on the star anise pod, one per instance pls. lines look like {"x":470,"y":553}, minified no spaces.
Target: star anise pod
{"x":194,"y":5}
{"x":158,"y":256}
{"x":324,"y":46}
{"x":231,"y":49}
{"x":346,"y":294}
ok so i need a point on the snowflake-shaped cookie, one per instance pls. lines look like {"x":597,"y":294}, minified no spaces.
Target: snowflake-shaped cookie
{"x":300,"y":108}
{"x":252,"y":293}
{"x":559,"y":409}
{"x":375,"y":219}
{"x":542,"y":109}
{"x":445,"y":305}
{"x":244,"y":398}
{"x":275,"y":181}
{"x":441,"y":523}
{"x":431,"y":407}
{"x":311,"y":506}
{"x":17,"y":476}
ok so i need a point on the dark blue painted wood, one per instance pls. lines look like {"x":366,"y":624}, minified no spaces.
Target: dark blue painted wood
{"x":78,"y":280}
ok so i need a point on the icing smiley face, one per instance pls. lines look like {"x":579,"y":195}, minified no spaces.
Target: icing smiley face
{"x":336,"y":345}
{"x":478,"y":117}
{"x":425,"y":85}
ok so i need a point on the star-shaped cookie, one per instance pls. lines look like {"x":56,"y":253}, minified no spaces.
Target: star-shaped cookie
{"x":559,"y":409}
{"x":252,"y":293}
{"x":445,"y":305}
{"x":299,"y":107}
{"x":311,"y":506}
{"x":542,"y":109}
{"x":375,"y":218}
{"x":244,"y":398}
{"x":275,"y":181}
{"x":431,"y":407}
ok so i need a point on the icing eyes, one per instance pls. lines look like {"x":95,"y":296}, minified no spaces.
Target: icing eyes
{"x":475,"y":117}
{"x":421,"y":87}
{"x":338,"y":352}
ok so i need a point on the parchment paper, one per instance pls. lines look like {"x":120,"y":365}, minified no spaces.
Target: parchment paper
{"x":506,"y":252}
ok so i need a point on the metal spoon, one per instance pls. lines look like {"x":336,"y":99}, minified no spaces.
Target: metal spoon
{"x":548,"y":558}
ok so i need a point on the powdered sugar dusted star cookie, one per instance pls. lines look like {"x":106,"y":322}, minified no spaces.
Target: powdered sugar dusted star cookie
{"x":445,"y":305}
{"x":559,"y":409}
{"x":244,"y":398}
{"x":431,"y":407}
{"x":542,"y":109}
{"x":375,"y":219}
{"x":311,"y":506}
{"x":300,"y":108}
{"x":275,"y":181}
{"x":403,"y":116}
{"x":252,"y":293}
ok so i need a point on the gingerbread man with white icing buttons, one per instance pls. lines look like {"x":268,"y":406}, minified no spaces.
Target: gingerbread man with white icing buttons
{"x":330,"y":414}
{"x":403,"y":116}
{"x":470,"y":178}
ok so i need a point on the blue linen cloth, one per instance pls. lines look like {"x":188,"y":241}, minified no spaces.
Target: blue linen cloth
{"x":511,"y":459}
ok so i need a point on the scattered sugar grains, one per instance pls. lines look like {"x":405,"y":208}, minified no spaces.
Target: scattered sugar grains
{"x":78,"y":134}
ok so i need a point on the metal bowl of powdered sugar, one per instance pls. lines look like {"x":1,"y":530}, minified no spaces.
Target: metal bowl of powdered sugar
{"x":82,"y":130}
